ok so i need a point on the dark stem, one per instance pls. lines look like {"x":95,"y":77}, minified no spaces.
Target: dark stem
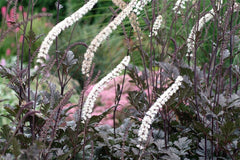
{"x":22,"y":53}
{"x":29,"y":74}
{"x":57,"y":52}
{"x":195,"y":68}
{"x":144,"y":65}
{"x":84,"y":139}
{"x":121,"y":90}
{"x":205,"y":148}
{"x":231,"y":50}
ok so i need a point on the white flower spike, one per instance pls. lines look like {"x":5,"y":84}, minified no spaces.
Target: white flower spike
{"x":198,"y":27}
{"x":91,"y":98}
{"x":135,"y":6}
{"x":56,"y":30}
{"x":152,"y":112}
{"x":180,"y":4}
{"x":156,"y":26}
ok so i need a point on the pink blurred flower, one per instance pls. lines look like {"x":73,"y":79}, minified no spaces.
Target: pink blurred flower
{"x":107,"y":98}
{"x":4,"y":11}
{"x":44,"y":9}
{"x":21,"y":39}
{"x":12,"y":44}
{"x":25,"y":15}
{"x":3,"y":62}
{"x":12,"y":18}
{"x":13,"y":14}
{"x":8,"y":52}
{"x":20,"y":8}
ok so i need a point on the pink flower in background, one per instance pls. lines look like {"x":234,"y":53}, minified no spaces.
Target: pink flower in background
{"x":13,"y":14}
{"x":25,"y":15}
{"x":107,"y":98}
{"x":12,"y":18}
{"x":21,"y":39}
{"x":8,"y":52}
{"x":20,"y":8}
{"x":3,"y":62}
{"x":4,"y":11}
{"x":44,"y":9}
{"x":12,"y":44}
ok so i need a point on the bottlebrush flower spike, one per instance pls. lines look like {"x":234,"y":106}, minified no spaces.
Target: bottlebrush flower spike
{"x":135,"y":6}
{"x":91,"y":98}
{"x":56,"y":30}
{"x":96,"y":42}
{"x":198,"y":27}
{"x":180,"y":4}
{"x":132,"y":17}
{"x":151,"y":113}
{"x":139,"y":6}
{"x":156,"y":25}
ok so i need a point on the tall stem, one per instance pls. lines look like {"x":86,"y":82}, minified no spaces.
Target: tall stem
{"x":231,"y":50}
{"x":57,"y":56}
{"x":22,"y":52}
{"x":29,"y":73}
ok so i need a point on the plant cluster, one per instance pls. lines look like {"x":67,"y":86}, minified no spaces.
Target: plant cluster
{"x":182,"y":61}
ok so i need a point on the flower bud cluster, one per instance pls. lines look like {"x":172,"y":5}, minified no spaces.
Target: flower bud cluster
{"x":140,"y":5}
{"x":91,"y":98}
{"x":198,"y":27}
{"x":132,"y":17}
{"x":180,"y":4}
{"x":57,"y":29}
{"x":156,"y":25}
{"x":151,"y":113}
{"x":96,"y":42}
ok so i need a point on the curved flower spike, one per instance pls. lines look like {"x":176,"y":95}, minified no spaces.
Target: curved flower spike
{"x":96,"y":42}
{"x":56,"y":30}
{"x":91,"y":98}
{"x":151,"y":113}
{"x":198,"y":27}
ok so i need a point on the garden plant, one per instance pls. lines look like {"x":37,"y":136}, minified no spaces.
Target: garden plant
{"x":120,"y":79}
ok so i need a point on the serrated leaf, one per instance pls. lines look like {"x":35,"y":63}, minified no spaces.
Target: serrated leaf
{"x":37,"y":37}
{"x":69,"y":60}
{"x":23,"y":138}
{"x":201,"y":128}
{"x":201,"y":150}
{"x":54,"y":95}
{"x":183,"y":144}
{"x":16,"y":147}
{"x":64,"y":156}
{"x":96,"y":119}
{"x":31,"y":36}
{"x":228,"y":128}
{"x":169,"y":69}
{"x":234,"y":101}
{"x":7,"y":116}
{"x":10,"y":111}
{"x":5,"y":132}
